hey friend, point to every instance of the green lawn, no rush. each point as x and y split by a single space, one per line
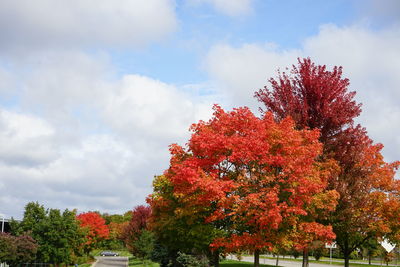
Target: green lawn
85 265
138 263
226 263
233 263
335 261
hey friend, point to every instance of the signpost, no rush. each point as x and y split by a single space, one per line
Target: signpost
330 246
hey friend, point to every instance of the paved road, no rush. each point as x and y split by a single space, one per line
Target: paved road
284 263
111 261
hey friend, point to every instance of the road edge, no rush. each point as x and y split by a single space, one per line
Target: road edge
94 264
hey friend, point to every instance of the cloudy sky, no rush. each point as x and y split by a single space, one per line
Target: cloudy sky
92 92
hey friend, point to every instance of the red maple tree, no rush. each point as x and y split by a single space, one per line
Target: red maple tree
138 223
313 96
258 174
317 98
95 228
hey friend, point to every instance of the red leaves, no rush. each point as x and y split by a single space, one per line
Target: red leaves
313 97
318 99
95 226
254 172
139 222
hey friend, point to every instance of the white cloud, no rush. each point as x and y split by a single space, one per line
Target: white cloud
239 72
25 140
229 7
122 23
85 138
369 59
150 108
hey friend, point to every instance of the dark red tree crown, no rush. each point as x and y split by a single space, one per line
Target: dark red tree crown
313 96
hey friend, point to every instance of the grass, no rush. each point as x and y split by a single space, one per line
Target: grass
85 265
233 263
138 263
335 261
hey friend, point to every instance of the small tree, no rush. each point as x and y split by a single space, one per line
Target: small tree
95 229
26 249
371 249
144 245
17 249
135 228
8 248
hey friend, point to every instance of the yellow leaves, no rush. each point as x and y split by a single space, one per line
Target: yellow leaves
326 200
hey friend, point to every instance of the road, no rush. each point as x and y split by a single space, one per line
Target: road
111 261
284 263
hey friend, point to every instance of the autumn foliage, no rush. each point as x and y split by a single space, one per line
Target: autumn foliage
317 98
138 223
95 227
253 176
313 97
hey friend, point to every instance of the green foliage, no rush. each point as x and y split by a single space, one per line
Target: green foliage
26 249
17 249
58 234
138 263
117 218
318 252
162 255
144 245
8 248
295 253
112 244
177 228
371 248
187 260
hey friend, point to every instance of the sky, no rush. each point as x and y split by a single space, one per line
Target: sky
93 92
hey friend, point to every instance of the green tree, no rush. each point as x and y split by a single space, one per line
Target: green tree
8 248
26 249
144 245
371 249
58 234
17 249
177 227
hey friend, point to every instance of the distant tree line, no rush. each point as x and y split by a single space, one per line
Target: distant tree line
55 237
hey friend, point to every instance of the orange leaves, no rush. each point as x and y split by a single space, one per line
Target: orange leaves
95 225
245 241
252 175
311 231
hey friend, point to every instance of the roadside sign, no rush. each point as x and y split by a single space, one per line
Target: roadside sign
386 245
331 245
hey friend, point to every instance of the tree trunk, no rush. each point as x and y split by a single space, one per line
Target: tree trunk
369 259
277 260
346 254
256 258
305 258
216 258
